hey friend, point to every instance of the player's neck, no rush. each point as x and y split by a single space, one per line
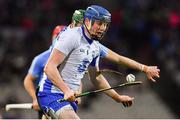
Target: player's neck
71 25
86 32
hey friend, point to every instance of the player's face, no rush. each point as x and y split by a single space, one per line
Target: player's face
79 24
98 29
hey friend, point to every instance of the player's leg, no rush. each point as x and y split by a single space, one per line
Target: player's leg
45 117
67 112
60 109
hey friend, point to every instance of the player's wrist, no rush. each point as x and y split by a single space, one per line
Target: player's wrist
66 90
63 87
34 98
144 68
115 97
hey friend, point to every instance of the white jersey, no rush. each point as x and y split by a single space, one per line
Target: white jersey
80 52
57 38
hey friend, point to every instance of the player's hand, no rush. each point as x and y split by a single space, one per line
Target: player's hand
125 100
69 96
151 72
78 100
35 105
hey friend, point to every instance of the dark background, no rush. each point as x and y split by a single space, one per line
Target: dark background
147 31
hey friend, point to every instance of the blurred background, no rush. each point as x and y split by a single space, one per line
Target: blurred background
147 31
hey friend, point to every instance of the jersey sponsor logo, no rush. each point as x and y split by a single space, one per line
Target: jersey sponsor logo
82 67
82 50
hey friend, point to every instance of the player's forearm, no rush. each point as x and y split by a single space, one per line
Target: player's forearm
126 61
102 83
29 86
132 63
53 74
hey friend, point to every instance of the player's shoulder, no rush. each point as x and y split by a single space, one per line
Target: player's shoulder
96 43
42 56
74 31
74 34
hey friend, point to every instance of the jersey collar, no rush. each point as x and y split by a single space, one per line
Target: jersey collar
90 41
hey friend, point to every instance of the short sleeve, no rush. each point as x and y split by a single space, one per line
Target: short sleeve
103 50
35 68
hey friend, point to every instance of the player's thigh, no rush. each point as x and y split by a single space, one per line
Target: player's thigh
67 112
49 101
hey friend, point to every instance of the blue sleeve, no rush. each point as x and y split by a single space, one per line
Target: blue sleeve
35 68
103 50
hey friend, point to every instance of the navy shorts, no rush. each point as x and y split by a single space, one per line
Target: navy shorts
49 101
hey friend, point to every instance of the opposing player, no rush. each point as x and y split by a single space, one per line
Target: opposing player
77 50
35 72
77 20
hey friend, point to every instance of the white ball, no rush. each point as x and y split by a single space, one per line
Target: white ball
130 78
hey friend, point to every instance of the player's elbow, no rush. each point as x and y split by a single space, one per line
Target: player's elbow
47 68
25 82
